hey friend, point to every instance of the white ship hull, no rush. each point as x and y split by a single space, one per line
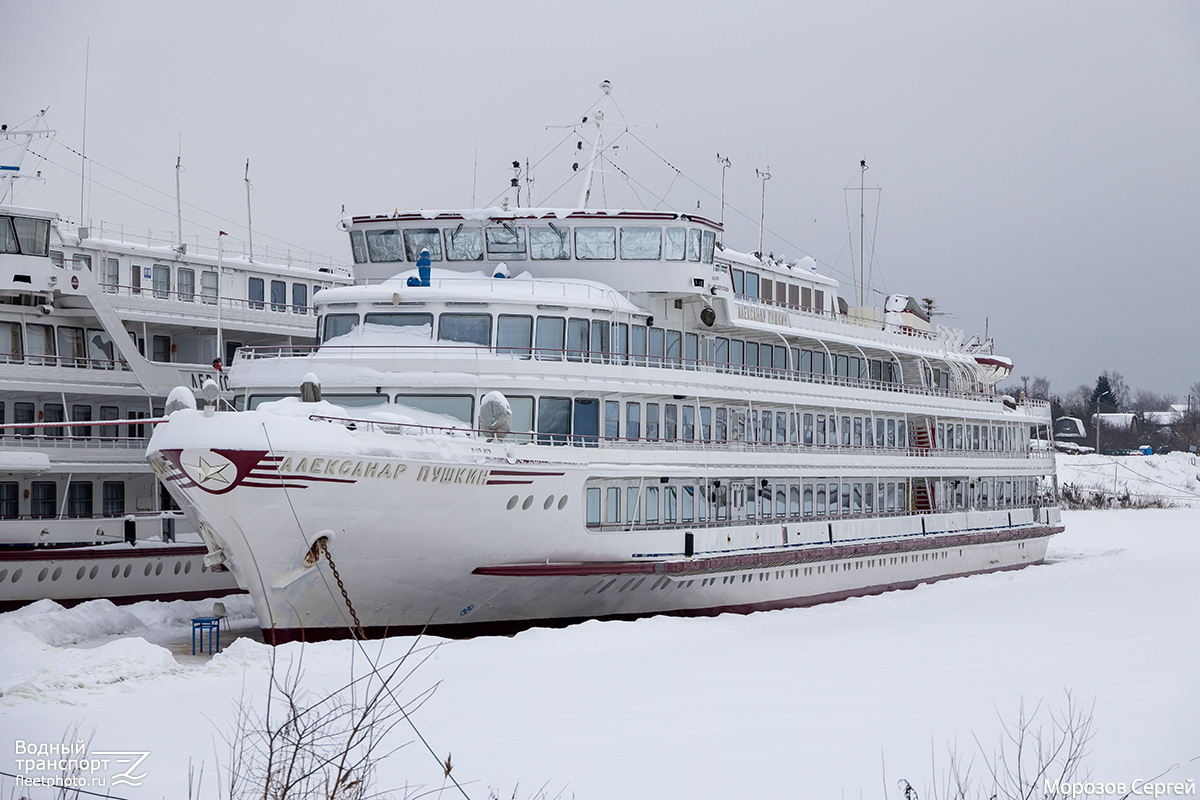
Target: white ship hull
456 536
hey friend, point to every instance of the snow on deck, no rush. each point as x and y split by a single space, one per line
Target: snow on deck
810 702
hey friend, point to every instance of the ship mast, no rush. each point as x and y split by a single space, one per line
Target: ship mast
9 173
597 145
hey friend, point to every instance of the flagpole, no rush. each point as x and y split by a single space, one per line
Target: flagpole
220 255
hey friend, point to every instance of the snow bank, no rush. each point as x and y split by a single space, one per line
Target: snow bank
1173 478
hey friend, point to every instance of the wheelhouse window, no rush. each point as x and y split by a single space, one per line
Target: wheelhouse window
465 328
506 242
676 239
111 275
464 244
641 244
549 244
418 239
596 244
710 242
693 250
358 247
385 245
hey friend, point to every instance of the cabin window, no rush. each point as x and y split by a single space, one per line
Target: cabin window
768 290
187 284
721 354
162 348
676 244
652 505
52 412
657 347
522 417
554 420
40 341
385 245
900 434
652 421
514 334
593 506
81 413
633 506
162 281
767 427
550 335
278 296
793 298
613 505
418 239
464 244
621 345
592 244
339 325
79 499
820 499
43 499
71 347
633 420
577 339
694 237
612 419
550 244
688 503
465 328
300 298
705 423
674 357
739 282
586 422
415 324
600 342
11 349
737 354
710 242
111 276
722 425
689 423
752 287
461 407
670 421
256 287
691 350
642 244
208 287
639 344
781 427
808 428
751 357
358 247
505 241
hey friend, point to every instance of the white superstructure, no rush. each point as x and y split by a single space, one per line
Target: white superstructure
638 421
97 324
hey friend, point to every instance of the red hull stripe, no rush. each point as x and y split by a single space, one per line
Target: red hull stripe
773 559
527 474
507 483
101 552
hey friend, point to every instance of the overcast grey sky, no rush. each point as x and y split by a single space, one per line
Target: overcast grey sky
1037 160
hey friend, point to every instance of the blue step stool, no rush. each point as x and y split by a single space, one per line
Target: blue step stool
213 626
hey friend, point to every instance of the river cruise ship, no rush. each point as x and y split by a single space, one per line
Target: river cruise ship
539 416
98 323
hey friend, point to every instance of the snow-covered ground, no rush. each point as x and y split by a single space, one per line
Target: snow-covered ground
840 700
1173 477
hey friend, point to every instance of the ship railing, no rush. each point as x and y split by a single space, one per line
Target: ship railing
53 360
42 441
663 442
200 299
101 517
846 319
397 355
233 250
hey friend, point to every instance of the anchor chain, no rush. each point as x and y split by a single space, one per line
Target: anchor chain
324 544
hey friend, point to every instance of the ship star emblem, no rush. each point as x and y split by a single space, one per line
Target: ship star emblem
210 472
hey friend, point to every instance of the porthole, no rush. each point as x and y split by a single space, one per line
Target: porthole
549 502
79 575
42 575
528 502
562 502
187 567
116 570
93 571
512 502
57 574
158 568
128 569
3 574
149 567
16 575
178 566
203 567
